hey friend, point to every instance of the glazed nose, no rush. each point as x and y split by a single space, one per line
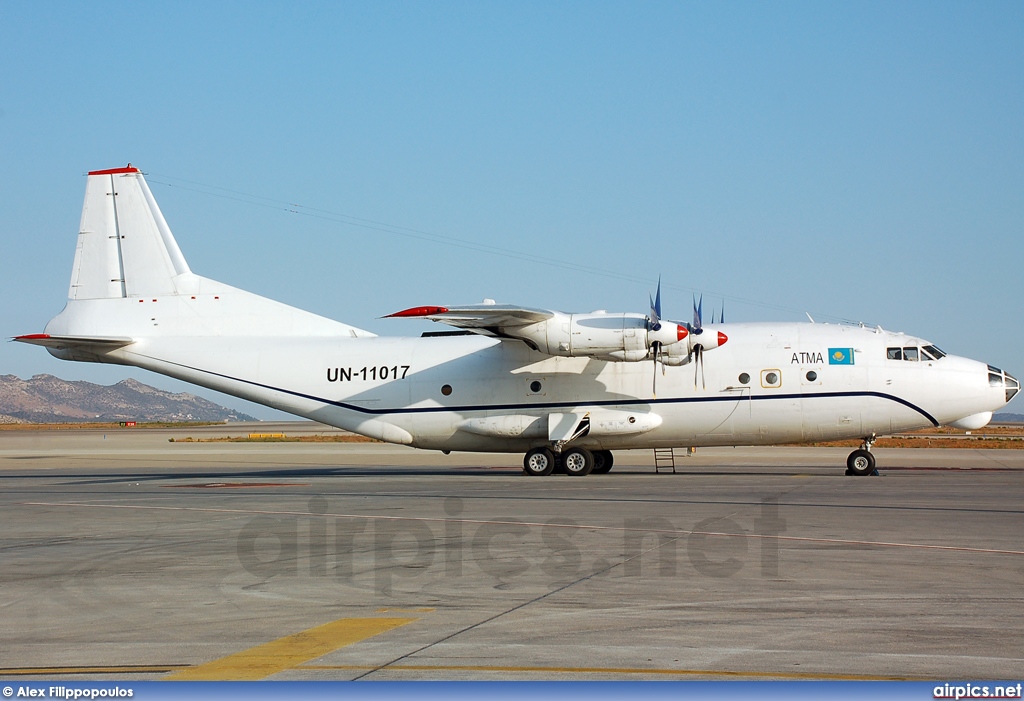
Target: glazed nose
998 378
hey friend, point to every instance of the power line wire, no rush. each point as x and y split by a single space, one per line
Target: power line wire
373 225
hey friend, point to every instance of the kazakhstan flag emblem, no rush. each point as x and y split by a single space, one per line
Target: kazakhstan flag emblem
840 356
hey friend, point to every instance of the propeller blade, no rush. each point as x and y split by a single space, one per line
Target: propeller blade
656 308
698 366
655 347
698 313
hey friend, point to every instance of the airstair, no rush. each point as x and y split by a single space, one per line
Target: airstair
665 458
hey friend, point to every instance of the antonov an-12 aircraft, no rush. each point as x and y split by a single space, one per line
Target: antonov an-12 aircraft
562 388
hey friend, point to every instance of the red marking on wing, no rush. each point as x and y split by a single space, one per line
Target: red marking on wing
418 311
32 337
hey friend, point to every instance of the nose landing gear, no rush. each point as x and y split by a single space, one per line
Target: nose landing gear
861 462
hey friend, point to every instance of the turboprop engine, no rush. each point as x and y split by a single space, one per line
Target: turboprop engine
616 337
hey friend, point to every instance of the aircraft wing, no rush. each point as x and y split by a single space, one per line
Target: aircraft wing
101 343
480 318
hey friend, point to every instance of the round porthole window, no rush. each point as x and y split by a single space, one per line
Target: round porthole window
772 378
812 376
535 386
744 378
446 390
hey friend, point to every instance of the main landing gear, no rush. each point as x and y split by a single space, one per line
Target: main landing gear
575 462
861 462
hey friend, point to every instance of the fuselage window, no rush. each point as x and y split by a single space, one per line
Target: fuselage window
744 378
812 376
910 353
894 353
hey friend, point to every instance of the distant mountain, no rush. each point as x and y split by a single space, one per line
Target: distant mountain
1008 418
49 399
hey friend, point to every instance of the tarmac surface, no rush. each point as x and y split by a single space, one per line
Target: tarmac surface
126 556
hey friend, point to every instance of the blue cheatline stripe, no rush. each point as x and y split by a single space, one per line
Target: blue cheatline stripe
560 405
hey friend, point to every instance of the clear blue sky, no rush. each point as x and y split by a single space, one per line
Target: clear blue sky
859 161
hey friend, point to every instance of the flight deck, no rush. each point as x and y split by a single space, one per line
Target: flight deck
129 555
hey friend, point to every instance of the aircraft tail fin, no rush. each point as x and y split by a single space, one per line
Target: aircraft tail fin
125 248
127 261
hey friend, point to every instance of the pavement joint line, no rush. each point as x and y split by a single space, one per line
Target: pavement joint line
679 532
735 674
290 651
517 607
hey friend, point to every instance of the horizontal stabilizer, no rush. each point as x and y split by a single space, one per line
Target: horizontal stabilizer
99 343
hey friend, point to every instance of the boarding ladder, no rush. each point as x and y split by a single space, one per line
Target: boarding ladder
665 458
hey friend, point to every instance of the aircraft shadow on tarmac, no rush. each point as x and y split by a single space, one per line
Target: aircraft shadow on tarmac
115 477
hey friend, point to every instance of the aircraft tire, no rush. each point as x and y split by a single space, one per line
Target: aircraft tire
539 462
578 462
861 463
603 461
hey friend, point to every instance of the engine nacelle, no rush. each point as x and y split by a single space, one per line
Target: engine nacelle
616 337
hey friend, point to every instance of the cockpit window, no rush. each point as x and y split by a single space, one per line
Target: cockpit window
914 354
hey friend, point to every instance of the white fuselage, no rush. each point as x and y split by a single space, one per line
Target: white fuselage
502 393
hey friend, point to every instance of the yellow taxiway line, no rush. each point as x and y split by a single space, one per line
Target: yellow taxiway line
290 651
90 669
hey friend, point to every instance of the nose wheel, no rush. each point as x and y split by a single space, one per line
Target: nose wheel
861 462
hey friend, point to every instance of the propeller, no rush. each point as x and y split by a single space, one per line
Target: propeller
698 348
662 334
656 346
